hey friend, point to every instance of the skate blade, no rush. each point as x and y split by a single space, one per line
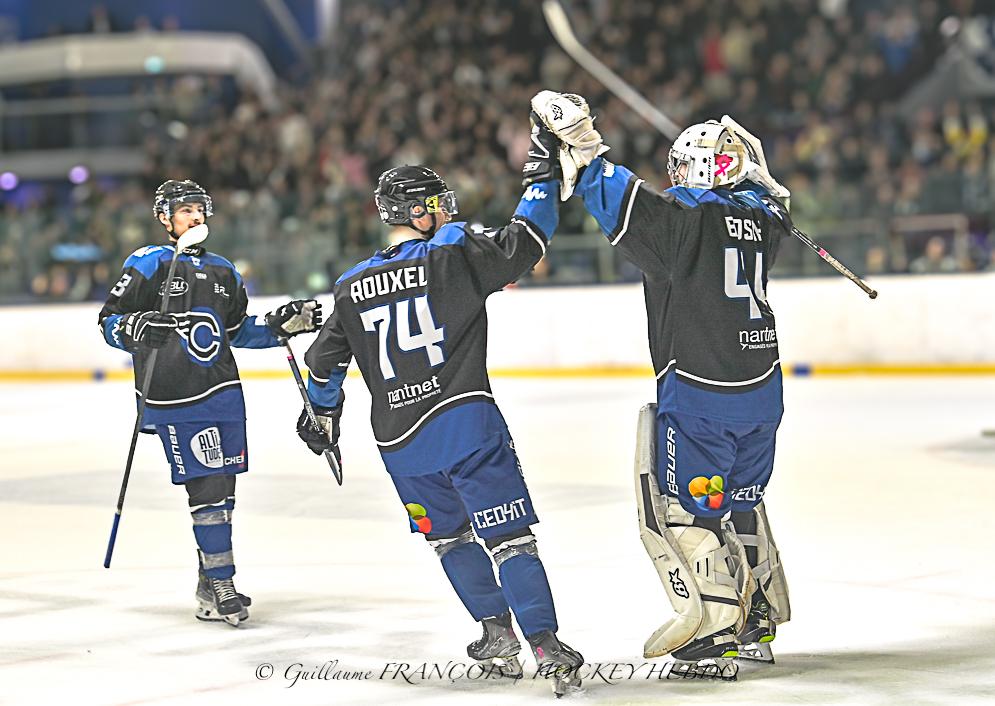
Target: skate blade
758 652
209 614
502 667
716 669
563 686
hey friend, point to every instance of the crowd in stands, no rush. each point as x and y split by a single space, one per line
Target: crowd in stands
447 83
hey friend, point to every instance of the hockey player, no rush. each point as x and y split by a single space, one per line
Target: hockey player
414 318
195 399
704 247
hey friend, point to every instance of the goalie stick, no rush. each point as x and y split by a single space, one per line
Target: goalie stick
559 25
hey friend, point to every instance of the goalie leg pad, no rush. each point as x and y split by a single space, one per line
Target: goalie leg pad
753 530
689 556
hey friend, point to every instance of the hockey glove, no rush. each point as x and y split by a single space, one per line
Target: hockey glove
543 161
569 118
324 436
298 316
148 328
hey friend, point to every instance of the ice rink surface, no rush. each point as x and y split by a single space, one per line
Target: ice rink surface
880 503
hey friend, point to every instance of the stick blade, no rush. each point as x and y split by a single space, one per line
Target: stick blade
193 236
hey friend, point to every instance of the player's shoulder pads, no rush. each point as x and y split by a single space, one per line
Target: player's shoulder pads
449 234
146 259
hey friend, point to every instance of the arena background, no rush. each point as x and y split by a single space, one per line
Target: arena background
877 114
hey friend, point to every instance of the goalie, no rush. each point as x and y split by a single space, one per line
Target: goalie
705 450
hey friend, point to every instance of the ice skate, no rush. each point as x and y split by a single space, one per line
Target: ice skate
498 648
557 661
758 633
217 599
710 657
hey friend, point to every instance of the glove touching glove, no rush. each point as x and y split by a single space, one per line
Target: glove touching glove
543 159
568 116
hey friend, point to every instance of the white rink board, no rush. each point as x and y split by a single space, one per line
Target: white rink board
941 319
880 503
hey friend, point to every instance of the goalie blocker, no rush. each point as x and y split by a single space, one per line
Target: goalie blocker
704 565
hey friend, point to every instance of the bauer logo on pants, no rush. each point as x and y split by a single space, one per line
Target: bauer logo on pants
206 447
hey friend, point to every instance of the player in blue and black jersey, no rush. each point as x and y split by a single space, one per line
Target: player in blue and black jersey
704 246
413 317
195 401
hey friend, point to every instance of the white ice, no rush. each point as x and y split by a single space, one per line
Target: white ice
880 502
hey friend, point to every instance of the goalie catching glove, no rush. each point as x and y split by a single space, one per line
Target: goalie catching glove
568 117
298 316
325 435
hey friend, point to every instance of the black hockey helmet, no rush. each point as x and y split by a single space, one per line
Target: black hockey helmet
173 193
408 192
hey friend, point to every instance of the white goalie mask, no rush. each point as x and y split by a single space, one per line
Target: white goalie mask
709 155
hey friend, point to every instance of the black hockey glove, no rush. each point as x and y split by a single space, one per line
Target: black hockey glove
148 328
324 436
298 316
544 155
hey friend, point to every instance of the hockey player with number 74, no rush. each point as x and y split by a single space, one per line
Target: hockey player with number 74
414 318
705 450
194 401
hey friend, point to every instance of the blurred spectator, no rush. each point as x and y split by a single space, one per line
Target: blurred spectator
934 259
817 80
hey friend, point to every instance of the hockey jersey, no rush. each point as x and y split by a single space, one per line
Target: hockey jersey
413 316
704 255
195 376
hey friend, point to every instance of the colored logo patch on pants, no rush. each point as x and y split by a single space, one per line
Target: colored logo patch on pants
418 517
708 493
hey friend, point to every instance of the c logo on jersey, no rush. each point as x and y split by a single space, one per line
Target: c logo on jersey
200 332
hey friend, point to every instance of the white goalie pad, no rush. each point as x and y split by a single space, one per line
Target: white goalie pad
745 582
769 573
693 566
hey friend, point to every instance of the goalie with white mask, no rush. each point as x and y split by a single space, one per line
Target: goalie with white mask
704 246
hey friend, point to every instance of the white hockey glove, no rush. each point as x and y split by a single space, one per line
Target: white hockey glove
298 316
567 115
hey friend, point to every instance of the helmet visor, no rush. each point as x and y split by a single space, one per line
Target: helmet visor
203 199
446 201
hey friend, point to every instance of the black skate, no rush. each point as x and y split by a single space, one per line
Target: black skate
758 633
498 648
217 599
557 661
710 657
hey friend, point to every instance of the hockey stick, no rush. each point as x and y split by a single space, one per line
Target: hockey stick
192 236
559 25
333 462
836 264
